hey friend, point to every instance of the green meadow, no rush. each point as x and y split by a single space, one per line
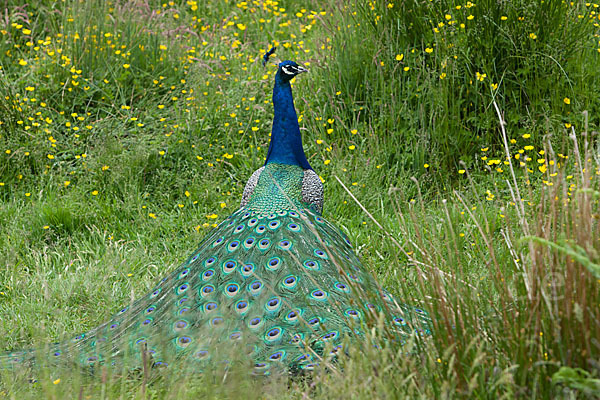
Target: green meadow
457 142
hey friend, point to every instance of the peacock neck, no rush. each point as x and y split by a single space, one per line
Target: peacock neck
286 141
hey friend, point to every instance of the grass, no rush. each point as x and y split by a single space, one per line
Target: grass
128 129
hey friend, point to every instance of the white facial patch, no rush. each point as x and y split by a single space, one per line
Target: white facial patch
292 70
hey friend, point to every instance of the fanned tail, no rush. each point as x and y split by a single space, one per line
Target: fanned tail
278 289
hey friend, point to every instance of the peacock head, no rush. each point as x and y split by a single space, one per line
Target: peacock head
288 70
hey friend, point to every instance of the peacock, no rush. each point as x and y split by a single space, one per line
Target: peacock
275 284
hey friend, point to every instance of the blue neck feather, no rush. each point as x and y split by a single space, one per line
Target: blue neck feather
286 141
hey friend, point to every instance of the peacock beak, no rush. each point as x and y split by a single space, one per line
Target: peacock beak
301 69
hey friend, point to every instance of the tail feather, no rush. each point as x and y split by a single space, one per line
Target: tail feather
277 289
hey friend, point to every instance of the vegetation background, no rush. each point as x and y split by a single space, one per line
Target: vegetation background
128 129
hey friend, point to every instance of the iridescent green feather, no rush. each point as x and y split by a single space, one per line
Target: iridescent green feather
274 275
